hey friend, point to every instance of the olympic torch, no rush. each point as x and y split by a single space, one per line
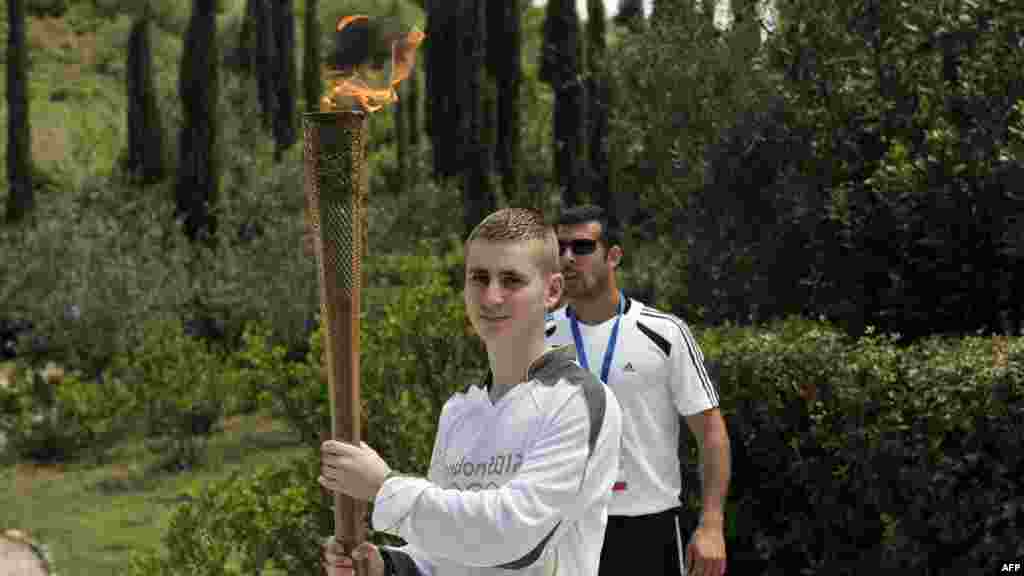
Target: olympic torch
336 193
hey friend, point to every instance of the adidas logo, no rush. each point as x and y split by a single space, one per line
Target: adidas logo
628 367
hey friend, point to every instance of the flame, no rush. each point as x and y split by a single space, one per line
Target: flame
344 86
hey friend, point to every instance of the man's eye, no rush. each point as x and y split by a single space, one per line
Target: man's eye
478 278
512 280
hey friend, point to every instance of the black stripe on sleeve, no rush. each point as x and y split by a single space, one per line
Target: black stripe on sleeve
400 562
696 358
532 555
658 339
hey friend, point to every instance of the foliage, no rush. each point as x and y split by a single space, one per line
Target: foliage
242 523
861 454
414 353
288 389
181 387
872 143
51 415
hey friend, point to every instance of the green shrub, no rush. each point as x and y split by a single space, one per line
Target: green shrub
860 454
181 387
414 352
51 415
275 517
288 390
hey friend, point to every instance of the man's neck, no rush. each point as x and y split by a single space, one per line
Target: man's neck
511 365
595 310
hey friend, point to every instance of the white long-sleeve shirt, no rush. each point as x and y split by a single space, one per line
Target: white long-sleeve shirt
517 487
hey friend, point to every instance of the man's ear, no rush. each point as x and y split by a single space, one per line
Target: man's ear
615 256
555 288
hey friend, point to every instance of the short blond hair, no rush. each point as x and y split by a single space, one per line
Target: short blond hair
521 225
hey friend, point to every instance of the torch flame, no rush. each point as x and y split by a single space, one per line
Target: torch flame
348 85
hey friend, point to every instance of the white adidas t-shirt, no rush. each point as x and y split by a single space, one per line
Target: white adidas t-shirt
657 373
521 486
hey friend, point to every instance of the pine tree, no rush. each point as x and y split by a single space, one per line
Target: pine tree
561 67
259 56
311 61
399 116
284 128
598 106
198 176
21 198
412 104
145 130
504 60
477 194
443 107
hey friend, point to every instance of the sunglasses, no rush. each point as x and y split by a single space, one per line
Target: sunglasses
580 246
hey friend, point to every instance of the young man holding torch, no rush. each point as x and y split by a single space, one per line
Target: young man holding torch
654 366
523 464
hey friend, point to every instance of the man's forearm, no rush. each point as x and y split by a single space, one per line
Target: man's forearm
716 470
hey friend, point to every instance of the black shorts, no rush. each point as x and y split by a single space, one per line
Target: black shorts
650 544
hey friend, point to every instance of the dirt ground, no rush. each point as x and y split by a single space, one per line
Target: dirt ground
17 558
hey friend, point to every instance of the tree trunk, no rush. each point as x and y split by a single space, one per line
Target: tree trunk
285 132
477 194
21 198
145 130
198 180
311 62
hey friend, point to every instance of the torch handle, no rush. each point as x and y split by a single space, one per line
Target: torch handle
336 195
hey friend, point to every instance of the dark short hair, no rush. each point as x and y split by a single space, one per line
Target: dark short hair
610 233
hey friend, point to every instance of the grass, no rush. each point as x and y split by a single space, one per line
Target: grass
93 517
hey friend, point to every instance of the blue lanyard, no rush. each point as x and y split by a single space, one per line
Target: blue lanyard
581 351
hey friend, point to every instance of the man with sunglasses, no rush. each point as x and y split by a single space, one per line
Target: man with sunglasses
653 364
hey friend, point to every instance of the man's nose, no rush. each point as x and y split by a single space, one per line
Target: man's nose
493 293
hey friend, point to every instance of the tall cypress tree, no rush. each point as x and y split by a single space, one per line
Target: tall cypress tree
598 106
412 105
561 67
145 130
198 177
477 194
311 62
443 41
504 60
285 132
399 116
21 198
259 55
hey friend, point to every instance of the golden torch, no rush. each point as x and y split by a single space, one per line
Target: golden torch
336 191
